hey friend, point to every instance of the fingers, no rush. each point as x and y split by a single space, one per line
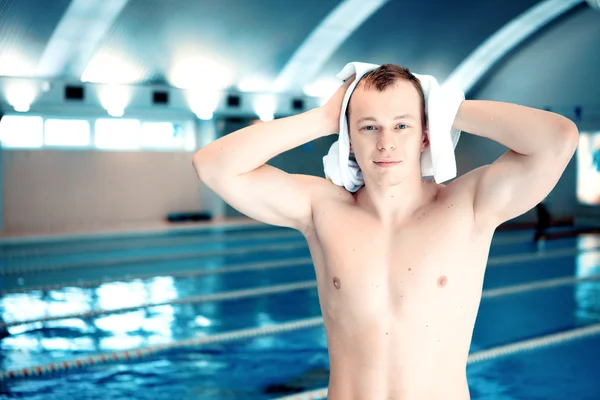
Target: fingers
349 81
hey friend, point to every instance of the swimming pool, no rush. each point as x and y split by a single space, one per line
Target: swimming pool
233 313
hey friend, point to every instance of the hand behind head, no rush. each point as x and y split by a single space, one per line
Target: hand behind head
333 106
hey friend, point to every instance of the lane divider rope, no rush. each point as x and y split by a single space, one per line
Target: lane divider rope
543 284
147 242
148 259
302 244
284 288
215 226
127 355
542 255
492 262
232 295
174 241
294 262
484 355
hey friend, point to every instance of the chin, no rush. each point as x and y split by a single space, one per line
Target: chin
389 181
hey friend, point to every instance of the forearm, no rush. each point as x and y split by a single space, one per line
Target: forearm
251 147
522 129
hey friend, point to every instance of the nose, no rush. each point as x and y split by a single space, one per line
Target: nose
386 141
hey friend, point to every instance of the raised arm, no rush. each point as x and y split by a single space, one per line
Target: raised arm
540 143
235 168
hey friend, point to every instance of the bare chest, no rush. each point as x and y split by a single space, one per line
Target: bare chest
432 263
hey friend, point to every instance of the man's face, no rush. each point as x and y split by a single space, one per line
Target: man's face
386 126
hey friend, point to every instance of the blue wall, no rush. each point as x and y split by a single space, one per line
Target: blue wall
557 68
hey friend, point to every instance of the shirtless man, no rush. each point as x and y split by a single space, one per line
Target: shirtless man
400 263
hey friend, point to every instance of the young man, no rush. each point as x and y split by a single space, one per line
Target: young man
400 263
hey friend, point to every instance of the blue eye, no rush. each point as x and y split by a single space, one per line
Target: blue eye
367 127
403 126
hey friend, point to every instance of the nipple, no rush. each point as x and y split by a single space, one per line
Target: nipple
442 281
337 283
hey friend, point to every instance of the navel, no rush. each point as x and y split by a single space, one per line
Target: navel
336 282
442 281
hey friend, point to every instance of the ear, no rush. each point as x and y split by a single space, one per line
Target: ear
425 141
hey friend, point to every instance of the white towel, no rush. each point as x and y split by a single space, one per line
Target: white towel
437 160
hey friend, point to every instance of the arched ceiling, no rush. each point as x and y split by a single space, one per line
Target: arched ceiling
244 44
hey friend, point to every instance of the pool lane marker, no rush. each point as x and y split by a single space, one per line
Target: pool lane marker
136 354
285 288
141 233
223 296
7 271
65 249
301 244
495 261
263 265
491 354
541 255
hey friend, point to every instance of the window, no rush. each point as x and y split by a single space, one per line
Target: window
167 135
162 135
21 131
65 132
588 168
117 133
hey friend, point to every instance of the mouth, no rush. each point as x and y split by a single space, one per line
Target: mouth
387 163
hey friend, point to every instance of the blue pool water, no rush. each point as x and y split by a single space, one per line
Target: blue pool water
66 277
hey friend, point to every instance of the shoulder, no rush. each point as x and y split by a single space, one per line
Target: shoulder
465 186
322 189
463 190
323 194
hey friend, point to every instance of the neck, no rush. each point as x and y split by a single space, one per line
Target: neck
393 204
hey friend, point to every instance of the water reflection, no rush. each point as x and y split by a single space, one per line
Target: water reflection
37 305
268 341
76 323
23 343
587 294
202 321
122 323
587 242
136 327
19 329
121 294
71 344
161 289
17 307
205 315
121 342
160 321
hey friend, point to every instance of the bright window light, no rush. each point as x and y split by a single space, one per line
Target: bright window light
162 135
265 106
200 72
65 132
112 69
117 133
190 140
588 168
21 95
21 132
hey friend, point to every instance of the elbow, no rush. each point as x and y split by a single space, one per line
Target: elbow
202 167
567 138
569 134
